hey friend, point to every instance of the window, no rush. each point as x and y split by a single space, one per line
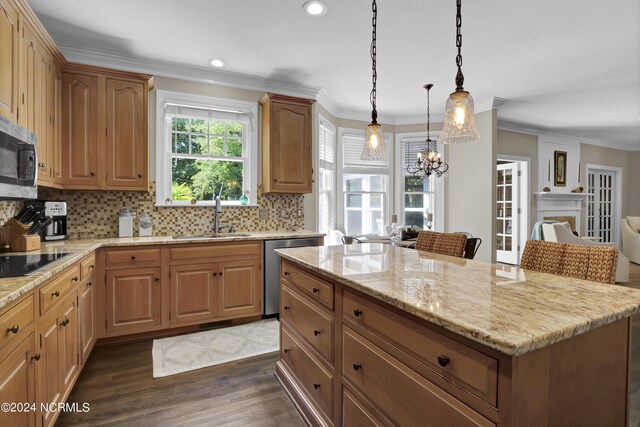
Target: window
365 188
206 147
421 201
326 176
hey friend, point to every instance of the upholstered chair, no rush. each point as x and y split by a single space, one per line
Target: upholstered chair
631 238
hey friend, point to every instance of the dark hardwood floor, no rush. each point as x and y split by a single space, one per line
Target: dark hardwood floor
117 383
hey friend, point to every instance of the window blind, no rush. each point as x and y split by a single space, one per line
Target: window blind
202 112
352 146
326 143
410 149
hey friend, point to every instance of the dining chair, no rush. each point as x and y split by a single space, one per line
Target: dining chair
595 263
452 244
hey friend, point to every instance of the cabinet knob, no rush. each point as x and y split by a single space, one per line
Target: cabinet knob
55 293
133 257
139 175
89 284
443 360
65 322
316 332
357 312
316 290
356 366
14 329
36 357
286 273
41 165
91 267
157 279
316 385
275 180
75 278
286 350
286 307
215 273
92 173
220 273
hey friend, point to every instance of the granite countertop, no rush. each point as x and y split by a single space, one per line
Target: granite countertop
12 288
506 308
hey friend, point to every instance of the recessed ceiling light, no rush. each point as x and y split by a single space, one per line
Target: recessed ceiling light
314 8
217 62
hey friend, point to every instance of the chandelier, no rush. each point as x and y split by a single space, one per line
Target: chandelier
428 160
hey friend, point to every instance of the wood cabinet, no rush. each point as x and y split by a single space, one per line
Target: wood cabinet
17 382
240 285
9 60
286 144
193 293
28 62
87 320
133 300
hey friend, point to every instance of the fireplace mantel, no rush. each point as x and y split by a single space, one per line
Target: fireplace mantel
562 196
562 204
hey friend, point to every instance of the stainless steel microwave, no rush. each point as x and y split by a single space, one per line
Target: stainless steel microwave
18 162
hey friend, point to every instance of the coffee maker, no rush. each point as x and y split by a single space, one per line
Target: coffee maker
57 230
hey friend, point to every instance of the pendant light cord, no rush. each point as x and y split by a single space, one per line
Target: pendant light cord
428 88
459 76
374 75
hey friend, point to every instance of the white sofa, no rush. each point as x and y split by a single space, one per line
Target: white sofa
631 238
560 232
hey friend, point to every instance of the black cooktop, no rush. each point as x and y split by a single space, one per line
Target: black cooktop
24 265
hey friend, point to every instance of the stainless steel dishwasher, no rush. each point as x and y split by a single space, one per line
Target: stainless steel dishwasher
272 270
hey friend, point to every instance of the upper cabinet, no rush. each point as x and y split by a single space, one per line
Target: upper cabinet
9 60
286 144
91 123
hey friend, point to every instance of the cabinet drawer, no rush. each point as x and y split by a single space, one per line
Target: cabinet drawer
15 321
308 321
468 368
221 250
87 266
316 288
405 396
131 258
355 414
58 288
311 375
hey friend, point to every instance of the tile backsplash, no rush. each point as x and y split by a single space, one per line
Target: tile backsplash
95 213
8 209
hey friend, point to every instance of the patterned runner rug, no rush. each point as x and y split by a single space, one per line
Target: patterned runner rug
184 353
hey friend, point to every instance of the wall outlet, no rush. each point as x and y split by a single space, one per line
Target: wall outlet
300 213
263 214
283 213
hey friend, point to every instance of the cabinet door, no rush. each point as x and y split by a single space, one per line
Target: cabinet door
42 113
291 148
80 131
194 295
9 60
126 143
133 300
17 383
240 287
68 344
57 126
49 367
27 116
87 318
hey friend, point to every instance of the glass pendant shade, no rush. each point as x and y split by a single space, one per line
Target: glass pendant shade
374 143
459 121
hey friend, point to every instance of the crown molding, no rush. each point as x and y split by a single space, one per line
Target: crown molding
494 104
188 72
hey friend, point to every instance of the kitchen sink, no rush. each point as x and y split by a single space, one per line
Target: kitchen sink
211 236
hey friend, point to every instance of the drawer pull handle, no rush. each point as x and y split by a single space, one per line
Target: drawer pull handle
356 366
286 350
91 267
55 293
316 385
443 360
75 278
65 322
89 284
316 332
316 290
286 273
14 329
357 312
286 307
36 357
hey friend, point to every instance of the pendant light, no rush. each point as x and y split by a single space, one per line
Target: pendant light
428 161
459 123
374 148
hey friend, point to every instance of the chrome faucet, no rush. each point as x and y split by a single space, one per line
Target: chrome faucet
216 212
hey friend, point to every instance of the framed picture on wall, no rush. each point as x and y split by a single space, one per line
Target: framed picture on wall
560 169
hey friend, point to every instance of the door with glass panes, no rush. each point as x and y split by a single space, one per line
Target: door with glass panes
602 218
507 237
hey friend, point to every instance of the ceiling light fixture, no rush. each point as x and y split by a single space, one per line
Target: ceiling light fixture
459 123
218 63
374 148
314 8
429 161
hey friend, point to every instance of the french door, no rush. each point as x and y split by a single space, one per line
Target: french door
507 232
602 215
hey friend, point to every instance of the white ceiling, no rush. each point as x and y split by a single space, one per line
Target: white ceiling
569 67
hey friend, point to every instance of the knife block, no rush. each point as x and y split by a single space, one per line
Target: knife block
18 238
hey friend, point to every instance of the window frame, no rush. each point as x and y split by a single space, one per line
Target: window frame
322 121
164 153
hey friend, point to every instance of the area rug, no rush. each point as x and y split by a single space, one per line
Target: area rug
184 353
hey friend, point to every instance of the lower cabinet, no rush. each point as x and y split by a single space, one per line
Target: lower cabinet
240 288
87 318
59 363
133 300
17 383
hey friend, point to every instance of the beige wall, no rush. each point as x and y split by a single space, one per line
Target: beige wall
633 193
470 187
523 145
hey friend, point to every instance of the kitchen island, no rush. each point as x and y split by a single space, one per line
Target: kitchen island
377 335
